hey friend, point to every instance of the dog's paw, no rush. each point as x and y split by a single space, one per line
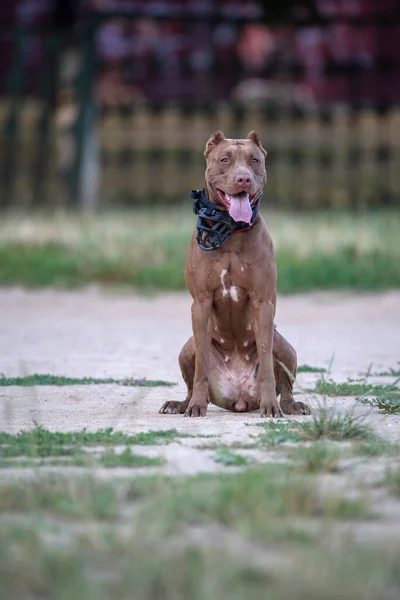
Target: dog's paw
173 407
196 410
296 408
302 408
271 410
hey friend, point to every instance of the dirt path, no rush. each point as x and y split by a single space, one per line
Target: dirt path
102 334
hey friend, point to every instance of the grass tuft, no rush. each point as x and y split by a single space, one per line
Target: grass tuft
330 424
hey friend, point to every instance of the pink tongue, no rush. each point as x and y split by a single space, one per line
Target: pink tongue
240 209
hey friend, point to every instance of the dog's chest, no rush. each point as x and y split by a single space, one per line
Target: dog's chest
231 286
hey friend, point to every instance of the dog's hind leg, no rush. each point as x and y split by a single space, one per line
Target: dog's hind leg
186 363
285 354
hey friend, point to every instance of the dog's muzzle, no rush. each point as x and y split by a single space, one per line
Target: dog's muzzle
215 226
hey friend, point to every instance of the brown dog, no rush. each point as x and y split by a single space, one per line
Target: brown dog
236 359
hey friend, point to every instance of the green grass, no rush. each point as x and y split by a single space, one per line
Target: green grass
277 433
247 501
319 457
326 423
328 250
310 369
128 459
135 567
350 388
114 567
77 537
377 447
40 442
251 502
83 497
393 480
109 459
45 379
229 458
391 372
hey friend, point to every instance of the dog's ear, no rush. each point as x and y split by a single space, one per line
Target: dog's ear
254 137
213 141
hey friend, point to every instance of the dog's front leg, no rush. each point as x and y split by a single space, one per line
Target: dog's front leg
263 322
201 318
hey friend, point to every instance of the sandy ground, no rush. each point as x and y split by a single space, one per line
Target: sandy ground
104 334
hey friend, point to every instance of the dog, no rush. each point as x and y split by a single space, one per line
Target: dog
236 358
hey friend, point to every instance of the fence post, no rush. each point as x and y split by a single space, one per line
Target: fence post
85 173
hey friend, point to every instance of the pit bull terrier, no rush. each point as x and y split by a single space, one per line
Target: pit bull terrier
236 358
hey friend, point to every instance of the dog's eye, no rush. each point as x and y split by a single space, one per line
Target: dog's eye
224 160
255 160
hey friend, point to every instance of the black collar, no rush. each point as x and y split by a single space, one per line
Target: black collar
215 226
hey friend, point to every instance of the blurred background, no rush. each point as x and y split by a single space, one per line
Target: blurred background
106 105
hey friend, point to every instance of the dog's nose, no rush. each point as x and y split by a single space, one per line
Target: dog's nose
243 178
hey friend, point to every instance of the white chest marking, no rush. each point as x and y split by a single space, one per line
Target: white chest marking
245 344
232 291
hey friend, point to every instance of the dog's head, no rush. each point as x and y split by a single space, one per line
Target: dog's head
235 173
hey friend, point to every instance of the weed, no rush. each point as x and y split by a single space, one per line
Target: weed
388 404
228 458
44 379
